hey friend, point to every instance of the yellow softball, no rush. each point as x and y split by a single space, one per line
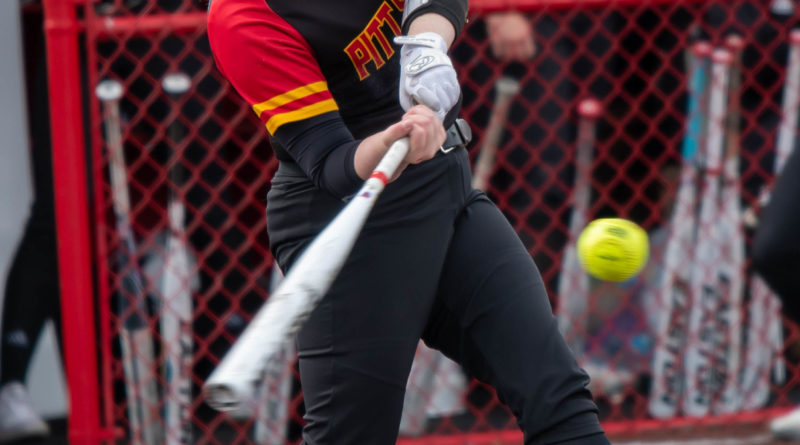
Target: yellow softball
613 249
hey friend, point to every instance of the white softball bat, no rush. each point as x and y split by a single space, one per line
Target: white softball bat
232 385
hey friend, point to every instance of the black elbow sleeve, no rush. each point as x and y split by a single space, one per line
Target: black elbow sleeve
337 174
324 149
453 10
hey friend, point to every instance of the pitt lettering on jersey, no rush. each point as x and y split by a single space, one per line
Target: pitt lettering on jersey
374 43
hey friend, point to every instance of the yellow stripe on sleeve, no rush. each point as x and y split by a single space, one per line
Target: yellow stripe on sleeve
289 96
312 110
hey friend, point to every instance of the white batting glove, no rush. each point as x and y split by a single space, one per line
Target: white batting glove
426 73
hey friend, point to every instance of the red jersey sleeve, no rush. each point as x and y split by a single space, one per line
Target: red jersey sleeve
268 62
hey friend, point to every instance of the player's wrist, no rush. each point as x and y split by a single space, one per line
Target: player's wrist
433 24
427 39
371 149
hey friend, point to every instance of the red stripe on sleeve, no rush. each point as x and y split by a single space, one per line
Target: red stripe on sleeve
260 53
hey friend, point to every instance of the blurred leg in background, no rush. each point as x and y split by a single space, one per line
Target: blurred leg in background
31 297
32 287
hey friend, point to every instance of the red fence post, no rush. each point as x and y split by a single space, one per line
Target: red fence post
72 221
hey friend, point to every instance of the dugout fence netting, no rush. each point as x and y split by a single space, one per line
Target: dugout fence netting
652 366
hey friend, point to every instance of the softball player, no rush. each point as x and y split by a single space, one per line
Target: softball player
436 260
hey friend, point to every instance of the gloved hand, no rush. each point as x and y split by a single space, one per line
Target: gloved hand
426 73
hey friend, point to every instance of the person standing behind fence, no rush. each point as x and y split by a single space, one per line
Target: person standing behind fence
32 290
510 36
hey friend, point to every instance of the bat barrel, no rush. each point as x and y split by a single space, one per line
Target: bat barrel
700 55
573 281
673 290
720 71
506 86
706 279
505 89
233 384
589 110
175 85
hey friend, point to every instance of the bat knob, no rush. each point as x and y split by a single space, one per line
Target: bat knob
176 83
734 42
589 108
108 90
221 397
794 37
702 48
750 218
507 86
782 7
722 55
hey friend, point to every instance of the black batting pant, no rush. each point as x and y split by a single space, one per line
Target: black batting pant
436 260
32 287
31 297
